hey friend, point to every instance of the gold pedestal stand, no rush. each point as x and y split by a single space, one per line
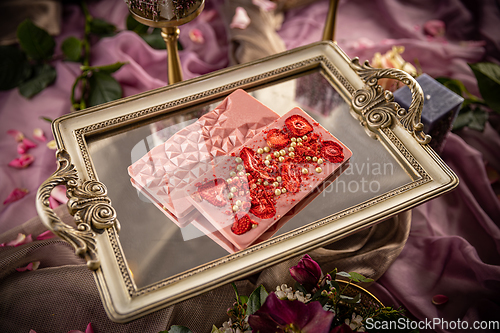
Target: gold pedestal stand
329 31
170 33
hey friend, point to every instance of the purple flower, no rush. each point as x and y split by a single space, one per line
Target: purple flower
307 272
281 316
344 328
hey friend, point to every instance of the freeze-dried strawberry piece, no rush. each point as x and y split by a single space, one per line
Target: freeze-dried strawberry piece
253 164
214 192
263 208
291 176
242 225
277 139
332 151
298 125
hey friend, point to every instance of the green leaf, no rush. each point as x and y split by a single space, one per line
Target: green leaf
214 329
344 274
135 26
101 27
43 76
103 88
454 85
256 300
351 300
155 40
356 277
473 117
106 68
36 42
488 81
178 329
235 291
300 288
72 48
244 299
14 67
47 119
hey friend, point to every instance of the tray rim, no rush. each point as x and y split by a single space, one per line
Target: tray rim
393 137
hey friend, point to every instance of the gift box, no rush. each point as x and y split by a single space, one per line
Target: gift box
440 109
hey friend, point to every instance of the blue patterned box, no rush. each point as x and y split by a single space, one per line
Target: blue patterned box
440 109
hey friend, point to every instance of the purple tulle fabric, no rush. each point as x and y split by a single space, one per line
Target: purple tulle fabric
454 245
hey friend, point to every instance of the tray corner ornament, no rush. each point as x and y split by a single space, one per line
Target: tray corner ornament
88 203
375 107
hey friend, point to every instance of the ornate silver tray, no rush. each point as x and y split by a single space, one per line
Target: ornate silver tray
143 262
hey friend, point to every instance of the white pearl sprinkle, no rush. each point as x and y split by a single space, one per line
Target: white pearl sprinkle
314 159
320 160
281 159
305 171
254 185
299 140
269 157
318 170
238 160
241 173
308 158
239 167
260 151
254 226
238 203
275 184
267 149
232 173
304 137
229 180
259 180
276 154
291 154
278 179
233 189
235 208
266 183
283 190
230 195
277 191
266 162
294 139
282 152
293 144
291 149
299 144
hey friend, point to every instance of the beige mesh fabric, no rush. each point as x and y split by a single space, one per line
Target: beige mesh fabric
62 295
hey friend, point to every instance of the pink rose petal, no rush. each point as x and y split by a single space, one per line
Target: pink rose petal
39 135
45 235
88 330
196 36
59 193
240 19
208 15
16 194
25 145
32 266
31 331
53 203
265 5
22 162
435 28
19 136
439 299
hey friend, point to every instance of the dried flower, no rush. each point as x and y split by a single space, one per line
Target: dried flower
25 145
265 5
22 162
21 239
52 144
281 316
32 266
435 28
240 19
39 135
196 36
16 194
19 136
392 59
307 272
355 323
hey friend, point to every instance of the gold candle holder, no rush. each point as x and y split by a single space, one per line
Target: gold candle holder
167 15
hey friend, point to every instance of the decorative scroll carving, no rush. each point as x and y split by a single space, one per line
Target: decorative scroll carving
375 107
88 203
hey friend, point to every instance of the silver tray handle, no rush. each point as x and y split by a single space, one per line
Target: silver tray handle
375 107
88 203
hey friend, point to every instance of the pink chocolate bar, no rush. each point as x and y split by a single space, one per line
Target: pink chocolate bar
164 172
247 193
